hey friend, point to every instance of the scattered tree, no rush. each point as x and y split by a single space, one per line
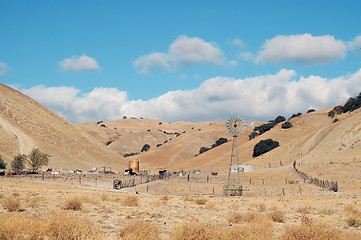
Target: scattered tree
36 159
253 135
203 149
295 115
287 124
280 119
145 148
264 146
310 110
19 162
2 163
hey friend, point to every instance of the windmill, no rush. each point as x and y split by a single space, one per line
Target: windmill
235 126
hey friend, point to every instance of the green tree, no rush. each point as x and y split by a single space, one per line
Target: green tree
37 159
287 124
2 163
264 146
19 162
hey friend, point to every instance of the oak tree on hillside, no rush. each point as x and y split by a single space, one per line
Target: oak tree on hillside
37 159
2 163
19 162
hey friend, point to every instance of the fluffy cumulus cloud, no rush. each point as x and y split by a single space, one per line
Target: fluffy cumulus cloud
355 45
79 63
305 49
182 52
256 98
3 68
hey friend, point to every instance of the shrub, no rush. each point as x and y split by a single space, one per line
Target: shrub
145 148
192 230
310 110
264 146
11 204
139 230
335 120
203 149
130 154
287 125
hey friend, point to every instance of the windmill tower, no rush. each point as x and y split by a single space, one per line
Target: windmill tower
235 126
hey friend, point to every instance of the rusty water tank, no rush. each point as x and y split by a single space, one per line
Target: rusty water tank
134 164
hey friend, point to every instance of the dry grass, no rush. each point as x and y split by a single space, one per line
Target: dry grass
353 218
277 216
11 204
308 229
18 226
256 230
200 201
131 201
32 202
247 217
304 210
70 226
73 203
139 230
60 226
165 198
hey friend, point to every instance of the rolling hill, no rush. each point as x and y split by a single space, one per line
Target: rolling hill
26 124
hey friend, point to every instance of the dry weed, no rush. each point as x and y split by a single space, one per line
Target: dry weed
105 197
304 210
11 204
353 218
70 226
73 203
246 217
308 229
260 207
131 201
200 201
277 216
164 198
188 199
139 230
192 230
18 226
32 202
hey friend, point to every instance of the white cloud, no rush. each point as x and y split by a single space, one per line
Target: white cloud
355 45
238 42
246 56
3 68
79 63
258 98
305 49
182 52
233 63
151 63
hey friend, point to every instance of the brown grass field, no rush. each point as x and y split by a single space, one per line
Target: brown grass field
32 208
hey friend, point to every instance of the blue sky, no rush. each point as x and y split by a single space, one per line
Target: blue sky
184 60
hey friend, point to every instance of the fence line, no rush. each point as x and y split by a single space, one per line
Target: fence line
329 185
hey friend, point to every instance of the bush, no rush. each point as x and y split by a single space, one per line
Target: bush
145 148
203 149
2 163
264 146
335 120
310 110
129 154
287 124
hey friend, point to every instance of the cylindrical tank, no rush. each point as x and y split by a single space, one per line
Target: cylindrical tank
134 165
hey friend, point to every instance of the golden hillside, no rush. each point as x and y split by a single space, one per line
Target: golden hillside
25 124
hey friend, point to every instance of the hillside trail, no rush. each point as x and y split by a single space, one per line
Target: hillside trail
26 144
